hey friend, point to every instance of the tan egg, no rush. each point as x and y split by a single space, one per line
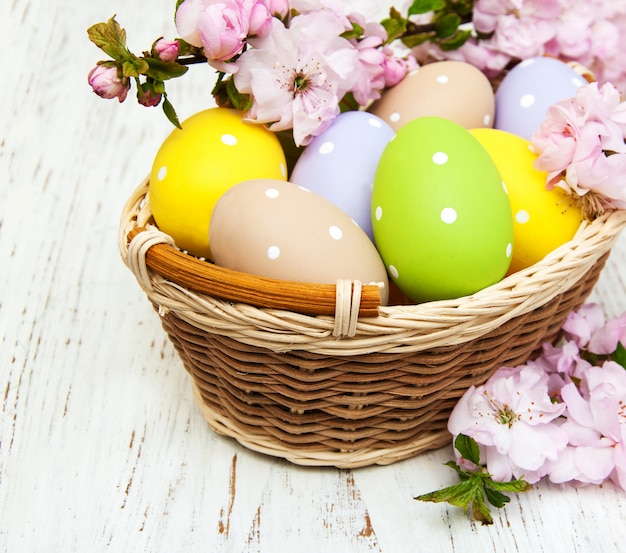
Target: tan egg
450 89
277 229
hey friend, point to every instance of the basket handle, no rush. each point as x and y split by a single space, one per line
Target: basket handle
227 284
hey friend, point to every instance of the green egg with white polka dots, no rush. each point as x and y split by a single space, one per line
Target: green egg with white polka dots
441 215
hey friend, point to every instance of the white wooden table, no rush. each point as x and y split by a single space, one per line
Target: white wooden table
101 445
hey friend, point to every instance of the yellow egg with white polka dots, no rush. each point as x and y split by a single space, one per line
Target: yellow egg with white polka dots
543 219
195 165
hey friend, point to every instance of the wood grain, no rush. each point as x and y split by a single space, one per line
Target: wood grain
101 446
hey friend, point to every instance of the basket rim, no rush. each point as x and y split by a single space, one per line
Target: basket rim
442 322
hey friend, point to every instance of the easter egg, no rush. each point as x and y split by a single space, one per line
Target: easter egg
441 216
340 163
454 90
194 166
529 89
542 219
280 230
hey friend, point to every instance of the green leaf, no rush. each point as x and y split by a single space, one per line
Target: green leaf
447 24
461 473
496 498
242 102
160 70
455 42
460 495
619 355
514 486
395 28
395 14
170 113
484 36
425 6
348 103
110 38
468 448
464 8
186 49
416 39
158 87
475 485
481 512
465 495
356 32
134 67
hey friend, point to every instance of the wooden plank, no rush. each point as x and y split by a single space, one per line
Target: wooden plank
101 445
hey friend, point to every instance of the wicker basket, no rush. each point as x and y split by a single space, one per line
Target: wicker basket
319 374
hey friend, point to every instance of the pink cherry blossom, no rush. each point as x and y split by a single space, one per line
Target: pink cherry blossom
278 8
339 9
596 426
106 83
511 416
581 147
222 27
573 32
603 406
480 54
577 30
259 16
581 325
559 415
522 38
223 31
618 476
564 360
589 329
187 17
590 33
166 50
369 71
585 464
297 75
606 58
396 68
519 28
487 13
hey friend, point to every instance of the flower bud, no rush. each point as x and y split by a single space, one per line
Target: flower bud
186 19
395 68
106 83
259 17
278 7
166 50
147 96
223 30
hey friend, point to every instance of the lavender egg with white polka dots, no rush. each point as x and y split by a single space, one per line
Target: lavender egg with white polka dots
340 163
277 229
441 215
529 89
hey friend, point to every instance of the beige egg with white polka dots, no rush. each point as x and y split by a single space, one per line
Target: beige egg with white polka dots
450 89
280 230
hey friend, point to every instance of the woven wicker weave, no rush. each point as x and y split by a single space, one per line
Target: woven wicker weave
343 389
